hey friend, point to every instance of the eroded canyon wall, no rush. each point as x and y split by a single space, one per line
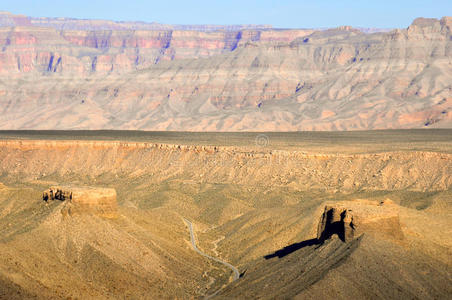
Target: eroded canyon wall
41 160
36 49
251 79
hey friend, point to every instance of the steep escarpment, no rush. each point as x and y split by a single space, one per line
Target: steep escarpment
380 171
43 50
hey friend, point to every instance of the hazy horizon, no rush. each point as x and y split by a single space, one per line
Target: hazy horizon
284 14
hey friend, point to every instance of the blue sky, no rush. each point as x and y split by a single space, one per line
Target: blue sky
282 13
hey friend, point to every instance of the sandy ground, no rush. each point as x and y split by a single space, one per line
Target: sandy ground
247 202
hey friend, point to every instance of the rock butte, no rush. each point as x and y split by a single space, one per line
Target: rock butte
85 200
350 219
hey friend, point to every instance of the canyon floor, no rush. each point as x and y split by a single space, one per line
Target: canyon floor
318 215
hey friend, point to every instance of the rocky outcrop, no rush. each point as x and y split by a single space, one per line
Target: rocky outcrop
84 200
55 193
336 221
350 219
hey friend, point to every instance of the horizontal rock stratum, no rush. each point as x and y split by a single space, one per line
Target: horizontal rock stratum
236 79
350 219
398 170
84 200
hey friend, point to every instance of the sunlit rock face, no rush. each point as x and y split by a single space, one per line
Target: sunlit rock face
83 47
84 200
350 219
235 165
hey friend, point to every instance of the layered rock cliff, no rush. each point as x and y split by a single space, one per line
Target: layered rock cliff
37 160
84 200
243 80
47 50
82 47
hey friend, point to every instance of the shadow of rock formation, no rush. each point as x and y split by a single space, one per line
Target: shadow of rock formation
292 248
336 220
349 220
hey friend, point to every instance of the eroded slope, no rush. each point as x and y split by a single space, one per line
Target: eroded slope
246 203
337 79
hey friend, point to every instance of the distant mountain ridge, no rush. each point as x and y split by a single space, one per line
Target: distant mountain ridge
245 80
9 19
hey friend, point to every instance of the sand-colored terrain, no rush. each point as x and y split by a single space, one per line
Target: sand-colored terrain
267 210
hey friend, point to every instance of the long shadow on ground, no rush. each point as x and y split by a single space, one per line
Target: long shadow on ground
292 248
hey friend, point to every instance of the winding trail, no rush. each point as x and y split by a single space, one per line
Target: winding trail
236 274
